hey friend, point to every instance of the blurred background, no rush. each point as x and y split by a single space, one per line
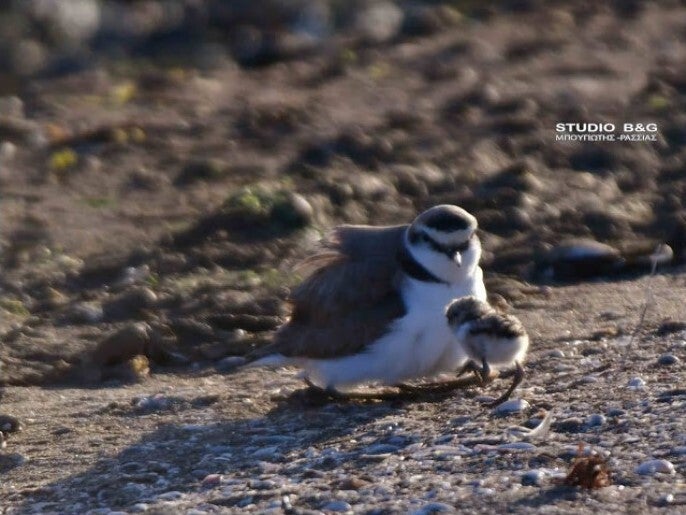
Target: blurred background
163 163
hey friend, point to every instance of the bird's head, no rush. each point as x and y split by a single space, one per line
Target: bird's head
443 239
466 309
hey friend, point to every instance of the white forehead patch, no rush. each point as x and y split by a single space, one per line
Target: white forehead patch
447 238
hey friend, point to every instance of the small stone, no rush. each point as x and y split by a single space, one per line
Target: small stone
511 406
516 447
130 303
7 151
230 363
616 412
9 424
337 506
381 448
267 453
157 402
125 344
569 425
434 507
665 500
667 360
170 496
379 21
555 353
532 478
581 258
636 383
11 106
212 480
652 467
86 313
595 420
139 507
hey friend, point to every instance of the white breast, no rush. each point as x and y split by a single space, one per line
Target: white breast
418 345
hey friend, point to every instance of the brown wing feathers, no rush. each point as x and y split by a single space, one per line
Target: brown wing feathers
348 300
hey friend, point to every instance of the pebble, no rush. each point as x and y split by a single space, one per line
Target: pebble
667 360
173 495
665 500
337 506
516 447
381 448
7 151
555 353
123 344
130 303
652 467
511 406
595 420
86 313
229 363
616 412
267 453
580 258
9 424
11 106
379 21
570 425
532 478
212 480
636 383
155 402
434 507
139 507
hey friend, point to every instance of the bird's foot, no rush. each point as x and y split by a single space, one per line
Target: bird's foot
518 375
331 394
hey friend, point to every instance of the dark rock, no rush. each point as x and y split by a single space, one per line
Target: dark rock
667 360
580 258
200 170
122 345
569 425
670 326
9 424
130 304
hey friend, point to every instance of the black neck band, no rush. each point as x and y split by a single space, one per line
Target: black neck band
414 269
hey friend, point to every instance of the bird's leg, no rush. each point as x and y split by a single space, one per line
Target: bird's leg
315 390
331 393
446 386
518 377
470 366
485 372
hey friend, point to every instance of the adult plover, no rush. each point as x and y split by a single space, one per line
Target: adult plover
490 339
372 309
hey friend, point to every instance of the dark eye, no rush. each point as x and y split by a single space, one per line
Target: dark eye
461 247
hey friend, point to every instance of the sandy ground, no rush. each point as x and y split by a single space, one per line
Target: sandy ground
151 219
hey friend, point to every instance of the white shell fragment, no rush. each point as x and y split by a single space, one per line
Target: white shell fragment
540 432
651 467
